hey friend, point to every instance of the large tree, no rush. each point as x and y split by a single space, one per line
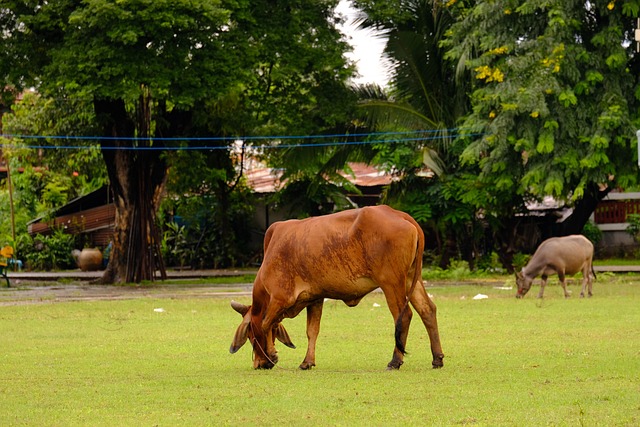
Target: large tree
555 105
152 68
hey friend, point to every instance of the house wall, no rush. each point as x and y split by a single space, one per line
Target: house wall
96 225
611 218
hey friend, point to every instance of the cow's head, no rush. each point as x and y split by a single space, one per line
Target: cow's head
523 283
265 355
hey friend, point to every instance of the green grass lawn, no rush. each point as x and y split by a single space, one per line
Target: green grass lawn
508 362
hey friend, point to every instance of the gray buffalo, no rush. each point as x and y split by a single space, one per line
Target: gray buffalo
562 256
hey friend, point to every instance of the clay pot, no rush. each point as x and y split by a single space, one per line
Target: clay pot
90 259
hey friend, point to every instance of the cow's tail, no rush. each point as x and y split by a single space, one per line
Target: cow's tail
417 277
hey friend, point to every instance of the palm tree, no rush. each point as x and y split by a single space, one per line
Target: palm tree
426 93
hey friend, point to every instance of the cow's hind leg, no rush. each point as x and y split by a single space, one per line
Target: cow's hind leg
397 304
427 311
314 314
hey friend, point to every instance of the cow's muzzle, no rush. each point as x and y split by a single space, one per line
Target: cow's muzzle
267 363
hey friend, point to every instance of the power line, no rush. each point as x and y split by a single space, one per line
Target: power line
435 135
231 138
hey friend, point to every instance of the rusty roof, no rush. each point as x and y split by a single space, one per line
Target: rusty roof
263 179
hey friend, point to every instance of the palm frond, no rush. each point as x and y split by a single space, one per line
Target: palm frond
380 114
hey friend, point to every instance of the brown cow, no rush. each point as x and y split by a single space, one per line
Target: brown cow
341 256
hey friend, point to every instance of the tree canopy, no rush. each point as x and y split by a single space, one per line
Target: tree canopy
164 70
555 97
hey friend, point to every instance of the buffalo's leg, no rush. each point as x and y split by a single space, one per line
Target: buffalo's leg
563 282
314 314
542 285
427 311
586 282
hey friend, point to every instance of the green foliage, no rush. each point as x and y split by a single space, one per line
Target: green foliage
566 63
50 252
214 213
633 229
46 179
175 246
520 260
80 170
593 232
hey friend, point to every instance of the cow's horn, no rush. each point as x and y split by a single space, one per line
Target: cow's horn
240 308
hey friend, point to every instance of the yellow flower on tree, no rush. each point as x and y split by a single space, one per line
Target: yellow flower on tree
498 51
488 74
535 114
611 5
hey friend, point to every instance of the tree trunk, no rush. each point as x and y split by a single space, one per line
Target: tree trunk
137 177
582 211
504 236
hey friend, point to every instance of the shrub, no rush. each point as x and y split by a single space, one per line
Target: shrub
50 252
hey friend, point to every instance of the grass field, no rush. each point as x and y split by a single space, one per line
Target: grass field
573 362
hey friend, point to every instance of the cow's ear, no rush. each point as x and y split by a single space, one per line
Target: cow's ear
519 274
241 336
283 336
240 308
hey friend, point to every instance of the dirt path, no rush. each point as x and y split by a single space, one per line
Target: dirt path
43 288
52 292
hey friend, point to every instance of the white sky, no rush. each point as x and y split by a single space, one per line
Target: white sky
367 48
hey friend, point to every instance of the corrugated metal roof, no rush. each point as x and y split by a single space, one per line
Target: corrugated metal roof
263 179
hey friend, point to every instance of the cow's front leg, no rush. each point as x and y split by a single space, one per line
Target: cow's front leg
266 355
314 314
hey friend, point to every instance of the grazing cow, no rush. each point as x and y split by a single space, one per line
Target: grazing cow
341 256
561 256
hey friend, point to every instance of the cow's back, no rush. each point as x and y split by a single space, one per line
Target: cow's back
342 253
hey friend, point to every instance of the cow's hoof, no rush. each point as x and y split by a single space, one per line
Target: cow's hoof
305 366
394 365
438 362
267 365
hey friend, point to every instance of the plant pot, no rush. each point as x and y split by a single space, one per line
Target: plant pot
90 259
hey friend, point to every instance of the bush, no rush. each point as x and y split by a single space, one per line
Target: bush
593 233
51 252
634 226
